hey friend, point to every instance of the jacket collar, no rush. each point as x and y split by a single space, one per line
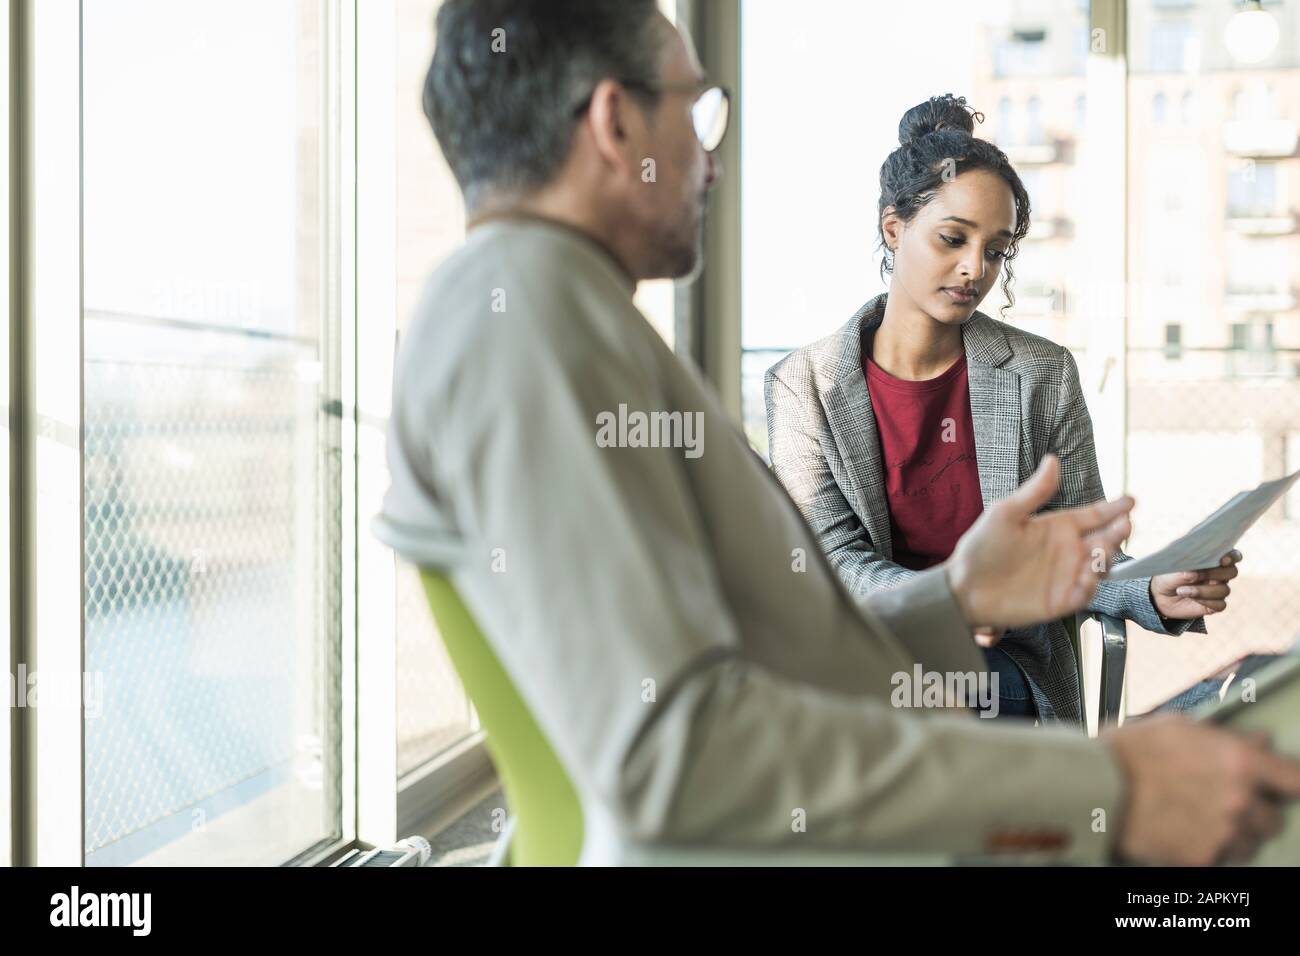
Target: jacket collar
995 415
982 339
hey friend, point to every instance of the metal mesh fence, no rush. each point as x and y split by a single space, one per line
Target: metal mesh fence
211 584
1203 426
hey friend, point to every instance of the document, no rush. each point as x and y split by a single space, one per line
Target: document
1209 541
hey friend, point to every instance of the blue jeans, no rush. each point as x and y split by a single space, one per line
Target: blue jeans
1014 698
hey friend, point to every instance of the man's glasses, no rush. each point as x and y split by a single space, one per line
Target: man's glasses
710 112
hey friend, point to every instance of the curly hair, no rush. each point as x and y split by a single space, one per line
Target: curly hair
937 137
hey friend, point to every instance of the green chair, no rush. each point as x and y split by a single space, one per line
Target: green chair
547 825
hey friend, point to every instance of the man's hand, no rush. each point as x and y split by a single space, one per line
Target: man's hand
1014 567
1198 795
1183 595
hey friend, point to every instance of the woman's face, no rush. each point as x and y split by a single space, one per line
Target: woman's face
950 255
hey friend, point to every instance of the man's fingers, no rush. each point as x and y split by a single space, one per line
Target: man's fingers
1265 818
1275 773
1099 514
1105 541
1085 584
1038 490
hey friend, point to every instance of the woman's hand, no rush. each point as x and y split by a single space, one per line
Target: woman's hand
1183 595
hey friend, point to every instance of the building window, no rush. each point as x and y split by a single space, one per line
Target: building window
1169 43
1005 135
1252 190
1173 341
1034 134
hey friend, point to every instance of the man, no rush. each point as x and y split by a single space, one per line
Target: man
664 610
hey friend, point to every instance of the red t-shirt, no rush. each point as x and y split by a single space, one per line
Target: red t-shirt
927 441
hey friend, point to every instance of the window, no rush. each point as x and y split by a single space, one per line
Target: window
1173 341
1171 42
1252 189
1034 135
433 712
1005 135
212 481
1021 54
1233 388
435 723
794 293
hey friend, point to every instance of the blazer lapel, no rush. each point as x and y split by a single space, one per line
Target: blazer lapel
994 407
853 426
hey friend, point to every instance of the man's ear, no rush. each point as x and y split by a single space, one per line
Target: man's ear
607 118
892 226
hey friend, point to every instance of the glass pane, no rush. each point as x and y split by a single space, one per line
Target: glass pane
1021 65
432 709
211 476
433 712
1213 249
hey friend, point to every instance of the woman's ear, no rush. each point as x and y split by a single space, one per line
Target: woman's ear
892 227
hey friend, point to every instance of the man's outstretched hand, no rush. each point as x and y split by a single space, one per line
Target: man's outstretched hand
1014 567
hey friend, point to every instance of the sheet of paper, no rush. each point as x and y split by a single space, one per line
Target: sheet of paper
1209 541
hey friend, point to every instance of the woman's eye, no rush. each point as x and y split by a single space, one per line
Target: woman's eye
951 240
998 253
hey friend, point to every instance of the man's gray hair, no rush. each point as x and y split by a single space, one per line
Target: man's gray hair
509 76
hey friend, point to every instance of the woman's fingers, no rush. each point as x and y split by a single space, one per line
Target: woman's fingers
1213 574
1199 591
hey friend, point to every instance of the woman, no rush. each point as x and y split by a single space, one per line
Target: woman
895 432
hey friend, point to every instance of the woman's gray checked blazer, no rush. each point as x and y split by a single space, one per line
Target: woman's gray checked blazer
1025 401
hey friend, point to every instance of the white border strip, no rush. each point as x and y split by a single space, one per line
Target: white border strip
52 296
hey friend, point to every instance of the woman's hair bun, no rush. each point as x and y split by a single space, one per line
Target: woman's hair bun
937 113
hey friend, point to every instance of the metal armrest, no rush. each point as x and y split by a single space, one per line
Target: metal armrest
1114 652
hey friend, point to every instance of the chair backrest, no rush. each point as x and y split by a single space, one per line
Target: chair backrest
548 815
